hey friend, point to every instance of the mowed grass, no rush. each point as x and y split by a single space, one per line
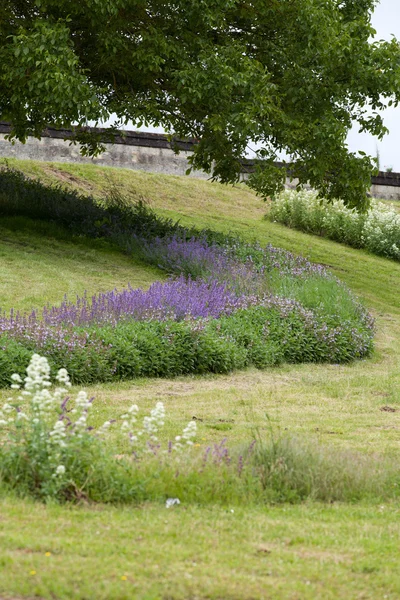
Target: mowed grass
296 552
307 551
40 264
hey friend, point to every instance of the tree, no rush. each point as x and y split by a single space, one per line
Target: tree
289 75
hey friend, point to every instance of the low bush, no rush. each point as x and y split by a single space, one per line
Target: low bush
273 331
377 230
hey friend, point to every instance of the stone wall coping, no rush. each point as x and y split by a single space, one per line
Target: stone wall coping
161 140
128 138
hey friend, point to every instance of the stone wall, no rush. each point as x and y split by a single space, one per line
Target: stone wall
135 150
386 186
145 152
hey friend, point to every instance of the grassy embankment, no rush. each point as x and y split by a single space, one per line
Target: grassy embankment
308 551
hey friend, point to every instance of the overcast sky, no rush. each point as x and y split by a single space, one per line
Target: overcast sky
386 21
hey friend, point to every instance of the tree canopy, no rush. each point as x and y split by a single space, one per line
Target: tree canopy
289 75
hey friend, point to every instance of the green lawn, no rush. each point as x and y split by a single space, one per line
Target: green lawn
37 267
149 552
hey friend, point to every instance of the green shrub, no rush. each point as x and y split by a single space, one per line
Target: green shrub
260 336
14 356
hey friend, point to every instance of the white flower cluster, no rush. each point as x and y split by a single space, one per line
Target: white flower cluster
54 425
129 419
82 405
378 230
188 434
7 414
36 389
154 422
146 437
40 404
381 233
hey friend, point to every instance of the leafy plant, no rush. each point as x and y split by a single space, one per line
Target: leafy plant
49 450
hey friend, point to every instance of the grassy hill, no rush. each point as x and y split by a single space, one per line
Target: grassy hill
228 209
232 552
40 264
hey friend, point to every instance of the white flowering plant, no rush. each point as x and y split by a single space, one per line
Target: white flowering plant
377 230
48 449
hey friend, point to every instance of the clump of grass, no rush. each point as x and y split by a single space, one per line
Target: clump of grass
285 469
291 469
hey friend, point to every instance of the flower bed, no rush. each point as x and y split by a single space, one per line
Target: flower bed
235 318
227 304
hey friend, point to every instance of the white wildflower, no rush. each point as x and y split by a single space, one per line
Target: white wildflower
189 432
38 374
104 428
129 419
58 434
187 436
63 378
80 426
82 402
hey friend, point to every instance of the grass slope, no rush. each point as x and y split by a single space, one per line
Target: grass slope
310 551
229 209
39 266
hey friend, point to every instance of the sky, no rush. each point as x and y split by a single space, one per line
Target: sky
386 21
